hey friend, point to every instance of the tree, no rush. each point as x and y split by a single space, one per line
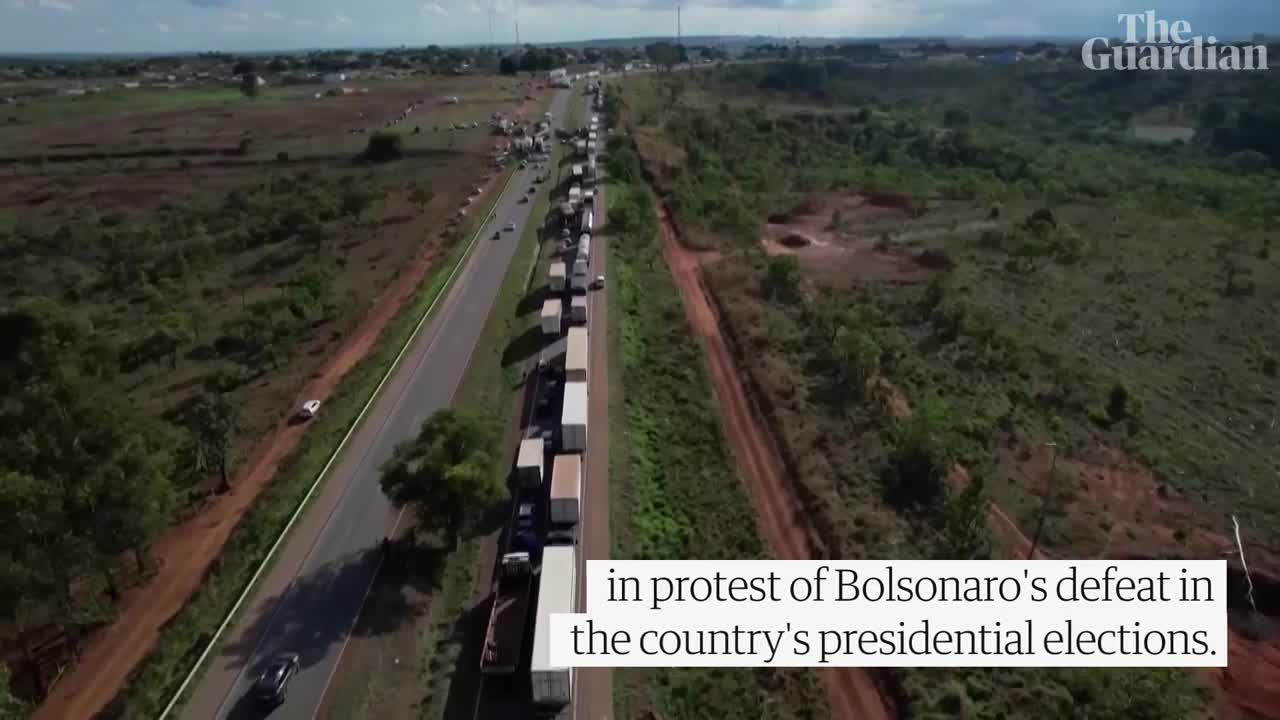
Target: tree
921 457
447 472
962 525
859 357
421 197
249 85
663 54
213 420
244 67
781 278
956 118
384 147
508 66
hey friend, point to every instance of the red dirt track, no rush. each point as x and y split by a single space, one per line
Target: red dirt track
852 692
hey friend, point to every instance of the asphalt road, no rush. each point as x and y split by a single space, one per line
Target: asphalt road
308 601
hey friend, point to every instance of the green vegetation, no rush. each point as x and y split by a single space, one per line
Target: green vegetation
676 496
446 474
1013 280
384 147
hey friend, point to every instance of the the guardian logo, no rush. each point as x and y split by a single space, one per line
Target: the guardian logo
1168 46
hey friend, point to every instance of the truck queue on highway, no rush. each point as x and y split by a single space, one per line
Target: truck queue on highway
539 563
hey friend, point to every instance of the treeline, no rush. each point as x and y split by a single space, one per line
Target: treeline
743 163
1233 112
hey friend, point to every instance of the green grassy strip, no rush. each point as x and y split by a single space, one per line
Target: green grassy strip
675 494
155 681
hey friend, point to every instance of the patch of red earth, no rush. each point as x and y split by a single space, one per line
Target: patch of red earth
853 693
185 554
1151 520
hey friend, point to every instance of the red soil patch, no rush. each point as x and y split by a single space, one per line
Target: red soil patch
184 555
853 693
1151 520
806 232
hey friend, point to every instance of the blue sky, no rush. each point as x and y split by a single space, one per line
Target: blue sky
193 25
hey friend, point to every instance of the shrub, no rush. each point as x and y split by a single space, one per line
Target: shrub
1118 403
384 147
245 145
282 157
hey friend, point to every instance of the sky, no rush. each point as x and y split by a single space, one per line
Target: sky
35 26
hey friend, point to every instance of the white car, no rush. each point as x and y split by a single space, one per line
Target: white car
598 283
511 227
309 409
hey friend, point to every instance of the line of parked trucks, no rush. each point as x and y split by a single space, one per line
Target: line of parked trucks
551 536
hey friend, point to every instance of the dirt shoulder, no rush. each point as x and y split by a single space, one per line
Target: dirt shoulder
852 692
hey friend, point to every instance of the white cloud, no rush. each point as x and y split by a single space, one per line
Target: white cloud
504 7
304 22
102 31
19 4
163 28
341 19
473 7
434 8
61 5
242 17
273 15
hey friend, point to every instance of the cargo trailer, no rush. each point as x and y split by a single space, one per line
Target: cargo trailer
557 593
580 280
551 317
584 250
566 490
529 463
504 636
556 276
573 418
576 353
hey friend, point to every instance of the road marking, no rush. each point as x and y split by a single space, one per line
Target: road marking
444 291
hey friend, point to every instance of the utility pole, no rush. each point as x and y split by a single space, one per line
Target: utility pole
1048 497
679 30
517 33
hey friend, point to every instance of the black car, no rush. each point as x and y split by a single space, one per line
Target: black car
273 684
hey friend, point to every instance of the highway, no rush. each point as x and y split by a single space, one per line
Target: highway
308 601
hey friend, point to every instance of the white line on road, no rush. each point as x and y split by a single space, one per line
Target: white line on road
444 291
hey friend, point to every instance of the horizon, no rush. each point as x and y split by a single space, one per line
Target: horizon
98 27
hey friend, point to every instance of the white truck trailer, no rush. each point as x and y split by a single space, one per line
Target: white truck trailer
529 463
573 418
578 310
584 248
557 276
579 280
551 317
566 490
576 353
557 593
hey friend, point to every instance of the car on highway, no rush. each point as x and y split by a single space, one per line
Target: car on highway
511 227
524 516
309 409
272 686
598 283
523 199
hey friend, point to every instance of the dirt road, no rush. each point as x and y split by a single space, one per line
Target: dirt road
852 692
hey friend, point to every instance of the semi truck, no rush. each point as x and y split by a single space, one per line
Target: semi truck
578 281
529 463
566 492
504 637
584 245
557 593
573 417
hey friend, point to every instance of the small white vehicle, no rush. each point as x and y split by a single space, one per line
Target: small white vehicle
598 283
511 227
309 409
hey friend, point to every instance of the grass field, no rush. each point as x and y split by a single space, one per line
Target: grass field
674 494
